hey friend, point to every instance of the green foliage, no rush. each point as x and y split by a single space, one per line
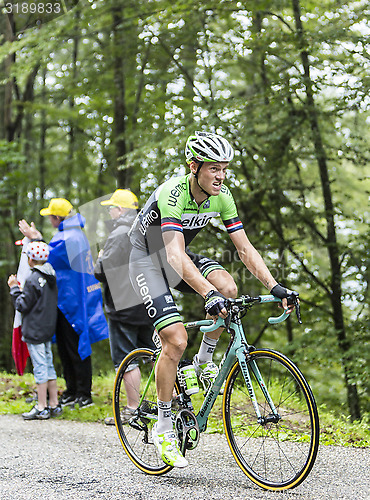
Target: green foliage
105 96
339 431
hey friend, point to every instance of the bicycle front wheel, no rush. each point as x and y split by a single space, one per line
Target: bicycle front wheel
276 451
134 387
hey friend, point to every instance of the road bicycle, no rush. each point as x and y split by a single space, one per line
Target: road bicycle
268 410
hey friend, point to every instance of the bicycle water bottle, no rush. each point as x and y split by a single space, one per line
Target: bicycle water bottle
187 377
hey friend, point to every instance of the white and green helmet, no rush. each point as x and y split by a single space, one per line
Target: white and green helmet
208 147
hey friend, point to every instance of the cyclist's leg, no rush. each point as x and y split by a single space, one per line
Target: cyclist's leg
225 284
151 286
210 269
215 274
174 341
135 428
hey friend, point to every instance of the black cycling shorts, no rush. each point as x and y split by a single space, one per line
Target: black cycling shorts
152 277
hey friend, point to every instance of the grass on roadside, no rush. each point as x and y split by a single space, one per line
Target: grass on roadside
15 389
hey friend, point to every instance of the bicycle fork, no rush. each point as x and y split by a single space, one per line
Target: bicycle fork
274 416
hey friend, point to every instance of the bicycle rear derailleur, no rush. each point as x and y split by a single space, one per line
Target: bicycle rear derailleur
187 429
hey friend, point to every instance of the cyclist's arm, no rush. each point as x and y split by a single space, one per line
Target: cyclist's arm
252 259
175 250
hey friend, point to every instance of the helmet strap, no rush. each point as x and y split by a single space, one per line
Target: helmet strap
200 165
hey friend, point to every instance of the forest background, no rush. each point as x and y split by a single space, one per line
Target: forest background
103 94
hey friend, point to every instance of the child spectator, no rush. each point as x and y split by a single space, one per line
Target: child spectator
38 305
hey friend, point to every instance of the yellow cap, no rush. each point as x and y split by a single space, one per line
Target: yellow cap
123 198
57 206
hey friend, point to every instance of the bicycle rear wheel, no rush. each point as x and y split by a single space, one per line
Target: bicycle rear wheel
134 375
276 453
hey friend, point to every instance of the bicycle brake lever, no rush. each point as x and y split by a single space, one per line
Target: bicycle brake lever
227 322
298 312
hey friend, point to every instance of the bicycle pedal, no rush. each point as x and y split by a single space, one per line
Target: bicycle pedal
135 425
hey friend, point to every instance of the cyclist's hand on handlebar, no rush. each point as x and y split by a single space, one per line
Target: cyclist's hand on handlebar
214 304
289 297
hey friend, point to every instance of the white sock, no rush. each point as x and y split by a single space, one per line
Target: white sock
164 417
206 349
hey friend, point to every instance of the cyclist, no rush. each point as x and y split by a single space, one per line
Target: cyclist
176 211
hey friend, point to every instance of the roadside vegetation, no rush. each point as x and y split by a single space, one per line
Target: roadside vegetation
14 390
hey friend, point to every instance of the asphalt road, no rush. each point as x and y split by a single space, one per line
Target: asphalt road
68 460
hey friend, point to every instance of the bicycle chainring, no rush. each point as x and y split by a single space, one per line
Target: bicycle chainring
187 429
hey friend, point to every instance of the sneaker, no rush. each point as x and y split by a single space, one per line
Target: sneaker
66 400
206 372
36 414
55 412
126 414
168 448
83 402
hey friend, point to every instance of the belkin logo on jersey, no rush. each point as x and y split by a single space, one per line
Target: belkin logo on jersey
192 221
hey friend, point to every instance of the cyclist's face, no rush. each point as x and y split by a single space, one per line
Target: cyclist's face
211 177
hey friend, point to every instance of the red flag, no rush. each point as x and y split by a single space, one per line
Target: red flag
19 348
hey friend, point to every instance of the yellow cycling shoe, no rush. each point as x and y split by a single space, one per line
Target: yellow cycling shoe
168 448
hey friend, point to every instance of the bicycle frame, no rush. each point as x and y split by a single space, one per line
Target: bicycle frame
238 344
238 348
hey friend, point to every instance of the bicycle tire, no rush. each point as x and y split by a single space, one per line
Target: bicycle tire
135 434
275 456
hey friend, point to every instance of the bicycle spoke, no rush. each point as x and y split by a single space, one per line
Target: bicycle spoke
135 379
277 451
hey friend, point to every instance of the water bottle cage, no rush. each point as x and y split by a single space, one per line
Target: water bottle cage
206 381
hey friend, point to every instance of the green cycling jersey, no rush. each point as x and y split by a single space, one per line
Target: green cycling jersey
172 207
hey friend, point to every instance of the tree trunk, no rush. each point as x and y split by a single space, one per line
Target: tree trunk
72 123
43 128
332 244
122 171
8 98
